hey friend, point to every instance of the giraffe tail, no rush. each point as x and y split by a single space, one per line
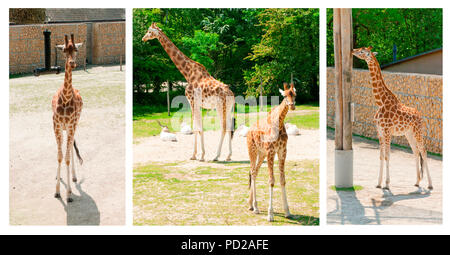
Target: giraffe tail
78 152
233 126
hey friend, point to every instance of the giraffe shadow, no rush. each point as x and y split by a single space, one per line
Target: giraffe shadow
82 210
390 198
293 218
231 162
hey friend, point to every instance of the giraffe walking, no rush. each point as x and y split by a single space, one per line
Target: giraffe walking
66 105
202 91
266 138
394 119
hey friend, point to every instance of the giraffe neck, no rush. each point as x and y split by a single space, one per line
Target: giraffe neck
177 56
381 92
67 88
279 113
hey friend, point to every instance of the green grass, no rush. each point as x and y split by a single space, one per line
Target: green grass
354 188
145 119
216 194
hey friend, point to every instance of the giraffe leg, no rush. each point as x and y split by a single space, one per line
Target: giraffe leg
424 158
220 113
68 150
380 172
230 123
195 146
282 158
202 142
270 159
59 140
413 144
387 152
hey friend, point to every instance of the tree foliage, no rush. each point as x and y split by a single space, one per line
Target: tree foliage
412 31
237 46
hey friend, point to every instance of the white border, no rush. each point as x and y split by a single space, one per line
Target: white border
5 228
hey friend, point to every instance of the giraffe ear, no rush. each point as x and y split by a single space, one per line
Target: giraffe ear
60 47
78 45
282 93
370 48
374 53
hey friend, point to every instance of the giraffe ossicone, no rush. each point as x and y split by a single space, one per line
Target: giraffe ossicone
394 119
202 91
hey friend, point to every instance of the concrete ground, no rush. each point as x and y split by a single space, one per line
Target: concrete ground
99 194
402 204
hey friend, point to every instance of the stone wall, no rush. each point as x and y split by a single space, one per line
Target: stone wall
26 44
423 92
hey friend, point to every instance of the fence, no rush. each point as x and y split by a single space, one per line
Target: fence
423 92
104 43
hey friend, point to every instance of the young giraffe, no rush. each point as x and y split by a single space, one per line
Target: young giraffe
202 91
394 118
66 105
266 138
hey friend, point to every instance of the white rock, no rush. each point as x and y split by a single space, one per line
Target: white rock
291 129
168 137
242 130
185 129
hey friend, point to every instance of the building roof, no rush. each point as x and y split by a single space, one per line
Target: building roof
411 58
73 15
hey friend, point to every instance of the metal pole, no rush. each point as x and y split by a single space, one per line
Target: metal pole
168 99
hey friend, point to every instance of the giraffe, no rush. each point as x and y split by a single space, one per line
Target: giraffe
394 119
266 138
66 105
202 91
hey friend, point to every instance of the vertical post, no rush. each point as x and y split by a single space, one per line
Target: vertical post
168 99
260 94
85 54
121 56
292 77
342 26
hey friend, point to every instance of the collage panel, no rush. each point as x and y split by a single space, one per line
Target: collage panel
67 116
384 116
246 80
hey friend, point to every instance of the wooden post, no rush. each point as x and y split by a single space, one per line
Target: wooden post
343 59
168 99
120 58
85 54
260 94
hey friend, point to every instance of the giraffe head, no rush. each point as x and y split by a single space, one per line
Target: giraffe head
70 50
365 53
289 94
152 32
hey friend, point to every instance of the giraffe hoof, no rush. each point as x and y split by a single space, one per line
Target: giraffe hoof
193 158
202 160
215 159
74 179
430 187
250 208
378 187
386 188
69 200
270 218
57 195
256 211
417 185
228 159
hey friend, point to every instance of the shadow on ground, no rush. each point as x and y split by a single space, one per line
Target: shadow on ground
82 210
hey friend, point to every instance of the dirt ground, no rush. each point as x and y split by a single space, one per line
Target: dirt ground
402 204
99 195
170 189
153 149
